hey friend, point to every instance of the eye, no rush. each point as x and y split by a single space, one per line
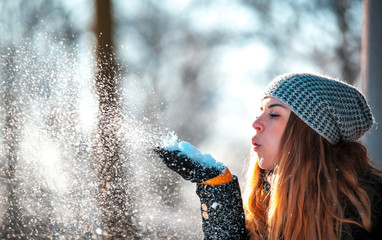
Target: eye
273 115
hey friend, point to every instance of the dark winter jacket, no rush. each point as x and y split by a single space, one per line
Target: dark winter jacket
222 211
223 214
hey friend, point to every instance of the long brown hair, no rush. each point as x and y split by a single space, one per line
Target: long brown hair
311 185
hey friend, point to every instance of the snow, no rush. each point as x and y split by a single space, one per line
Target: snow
192 152
215 205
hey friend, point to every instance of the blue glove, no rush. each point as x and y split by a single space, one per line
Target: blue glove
189 162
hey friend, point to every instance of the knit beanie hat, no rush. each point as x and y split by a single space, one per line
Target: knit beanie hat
335 110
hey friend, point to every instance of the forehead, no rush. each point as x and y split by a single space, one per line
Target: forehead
266 102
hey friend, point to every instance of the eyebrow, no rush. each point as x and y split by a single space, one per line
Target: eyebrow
276 105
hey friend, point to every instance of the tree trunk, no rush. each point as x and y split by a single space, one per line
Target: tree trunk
112 180
372 72
12 220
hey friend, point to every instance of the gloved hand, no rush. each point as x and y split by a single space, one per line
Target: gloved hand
189 162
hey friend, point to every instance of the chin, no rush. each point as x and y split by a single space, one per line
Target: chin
263 164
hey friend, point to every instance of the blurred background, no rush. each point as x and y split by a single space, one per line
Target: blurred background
88 86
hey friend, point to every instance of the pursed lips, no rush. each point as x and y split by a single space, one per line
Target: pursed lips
255 144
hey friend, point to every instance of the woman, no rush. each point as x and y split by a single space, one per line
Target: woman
311 179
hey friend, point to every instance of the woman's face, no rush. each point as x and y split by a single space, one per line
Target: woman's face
269 128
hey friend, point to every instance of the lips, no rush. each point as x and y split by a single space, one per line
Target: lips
255 144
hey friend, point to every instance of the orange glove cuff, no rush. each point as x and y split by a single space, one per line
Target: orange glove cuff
222 179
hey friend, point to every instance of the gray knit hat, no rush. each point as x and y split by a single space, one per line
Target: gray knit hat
334 109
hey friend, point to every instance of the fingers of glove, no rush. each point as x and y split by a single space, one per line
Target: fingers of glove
172 158
194 166
179 163
161 152
175 160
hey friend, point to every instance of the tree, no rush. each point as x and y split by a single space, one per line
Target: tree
112 179
372 72
13 219
336 23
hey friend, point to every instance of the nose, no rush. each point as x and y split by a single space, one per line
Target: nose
257 125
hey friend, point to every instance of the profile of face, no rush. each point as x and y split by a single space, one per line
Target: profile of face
269 128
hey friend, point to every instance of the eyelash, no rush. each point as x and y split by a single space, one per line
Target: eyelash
273 115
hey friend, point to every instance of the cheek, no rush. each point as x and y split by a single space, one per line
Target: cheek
271 156
268 156
277 135
277 143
